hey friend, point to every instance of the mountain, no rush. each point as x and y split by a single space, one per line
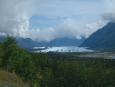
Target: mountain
103 39
66 42
26 43
29 43
1 38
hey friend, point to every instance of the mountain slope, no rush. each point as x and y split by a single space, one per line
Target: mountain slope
102 39
29 43
66 42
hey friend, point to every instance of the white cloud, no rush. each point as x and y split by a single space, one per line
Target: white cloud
79 17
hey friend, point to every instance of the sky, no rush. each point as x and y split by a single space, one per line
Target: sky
45 20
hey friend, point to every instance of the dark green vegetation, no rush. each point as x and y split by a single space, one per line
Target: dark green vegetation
103 39
54 70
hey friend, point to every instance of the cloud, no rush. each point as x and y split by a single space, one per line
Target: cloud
68 28
109 17
66 18
12 15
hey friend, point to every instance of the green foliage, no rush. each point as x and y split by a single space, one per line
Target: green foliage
9 47
17 60
55 70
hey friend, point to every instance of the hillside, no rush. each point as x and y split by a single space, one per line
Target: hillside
103 39
10 80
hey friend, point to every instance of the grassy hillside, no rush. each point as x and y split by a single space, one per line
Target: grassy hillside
10 80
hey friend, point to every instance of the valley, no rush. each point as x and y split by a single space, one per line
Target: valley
19 67
57 43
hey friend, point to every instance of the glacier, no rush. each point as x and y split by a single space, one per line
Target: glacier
62 49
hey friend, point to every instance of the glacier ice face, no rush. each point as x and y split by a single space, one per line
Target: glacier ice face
65 49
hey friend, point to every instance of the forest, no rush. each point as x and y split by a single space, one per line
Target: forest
21 68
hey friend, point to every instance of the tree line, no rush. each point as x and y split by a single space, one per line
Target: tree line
45 70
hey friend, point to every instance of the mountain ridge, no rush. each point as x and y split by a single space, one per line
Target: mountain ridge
102 39
28 43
